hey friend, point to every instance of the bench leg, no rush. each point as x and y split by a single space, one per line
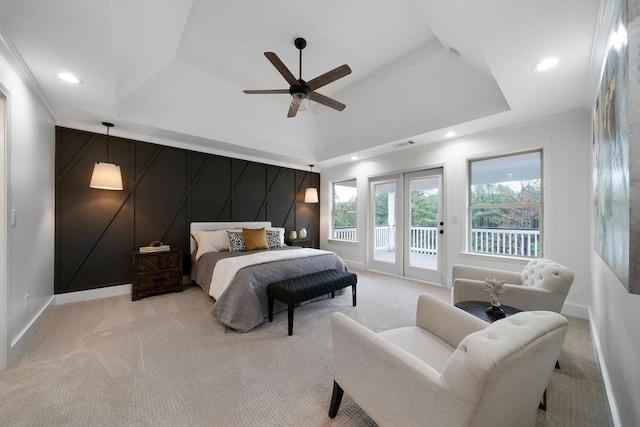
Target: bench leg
353 292
270 309
333 294
291 319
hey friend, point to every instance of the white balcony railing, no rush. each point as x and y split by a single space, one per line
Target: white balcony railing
424 240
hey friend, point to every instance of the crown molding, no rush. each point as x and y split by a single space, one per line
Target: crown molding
15 60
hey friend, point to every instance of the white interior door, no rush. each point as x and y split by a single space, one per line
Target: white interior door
424 226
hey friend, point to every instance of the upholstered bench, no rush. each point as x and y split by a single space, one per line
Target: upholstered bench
303 288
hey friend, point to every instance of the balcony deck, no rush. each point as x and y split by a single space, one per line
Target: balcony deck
416 260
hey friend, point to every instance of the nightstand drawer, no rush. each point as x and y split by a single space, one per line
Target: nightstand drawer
158 261
159 280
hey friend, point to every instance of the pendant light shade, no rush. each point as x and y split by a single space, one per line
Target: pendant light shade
106 176
311 194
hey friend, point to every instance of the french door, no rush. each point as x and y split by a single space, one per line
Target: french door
406 225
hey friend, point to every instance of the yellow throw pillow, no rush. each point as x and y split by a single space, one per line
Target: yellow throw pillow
255 238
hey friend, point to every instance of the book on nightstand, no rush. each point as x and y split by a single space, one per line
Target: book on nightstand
149 249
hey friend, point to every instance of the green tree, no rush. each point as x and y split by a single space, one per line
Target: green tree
507 193
345 214
424 208
382 209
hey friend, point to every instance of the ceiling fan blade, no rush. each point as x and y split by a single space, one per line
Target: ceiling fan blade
329 76
266 91
325 100
293 110
290 78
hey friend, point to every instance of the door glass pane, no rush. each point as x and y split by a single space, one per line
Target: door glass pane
423 236
385 223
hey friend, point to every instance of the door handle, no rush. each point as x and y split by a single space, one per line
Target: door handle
441 231
441 223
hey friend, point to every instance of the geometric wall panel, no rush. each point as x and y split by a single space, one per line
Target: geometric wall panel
165 189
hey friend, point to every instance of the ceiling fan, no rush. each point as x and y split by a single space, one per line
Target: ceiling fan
302 92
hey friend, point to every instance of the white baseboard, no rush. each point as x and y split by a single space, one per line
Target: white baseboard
604 372
355 265
23 338
575 310
90 294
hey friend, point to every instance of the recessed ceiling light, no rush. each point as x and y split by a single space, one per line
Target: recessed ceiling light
450 134
354 157
546 64
69 78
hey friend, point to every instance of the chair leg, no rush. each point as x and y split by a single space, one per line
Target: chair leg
353 292
336 399
543 404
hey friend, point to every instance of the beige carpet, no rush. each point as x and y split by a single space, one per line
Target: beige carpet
165 361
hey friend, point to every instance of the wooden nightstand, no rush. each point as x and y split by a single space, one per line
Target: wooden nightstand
156 273
305 243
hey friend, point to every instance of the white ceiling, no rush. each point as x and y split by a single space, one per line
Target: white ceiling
175 69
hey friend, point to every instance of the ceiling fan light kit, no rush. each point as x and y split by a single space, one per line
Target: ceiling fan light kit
303 92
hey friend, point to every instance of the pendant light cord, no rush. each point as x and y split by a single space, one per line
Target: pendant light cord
108 126
108 156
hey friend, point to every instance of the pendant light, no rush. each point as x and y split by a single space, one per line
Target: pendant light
106 176
311 194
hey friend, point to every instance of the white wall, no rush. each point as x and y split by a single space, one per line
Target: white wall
567 194
615 316
615 313
31 151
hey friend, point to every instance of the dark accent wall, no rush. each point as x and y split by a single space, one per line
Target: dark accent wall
165 189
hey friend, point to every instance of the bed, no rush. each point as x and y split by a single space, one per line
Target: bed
237 280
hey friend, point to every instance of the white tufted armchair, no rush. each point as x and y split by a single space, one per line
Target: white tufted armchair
450 369
542 285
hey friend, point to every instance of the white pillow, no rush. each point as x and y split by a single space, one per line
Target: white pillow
210 241
279 230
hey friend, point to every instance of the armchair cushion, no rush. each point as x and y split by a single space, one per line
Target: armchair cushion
438 331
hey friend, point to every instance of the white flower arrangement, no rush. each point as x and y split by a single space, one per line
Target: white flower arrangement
495 288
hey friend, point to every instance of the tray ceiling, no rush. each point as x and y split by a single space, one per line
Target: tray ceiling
175 70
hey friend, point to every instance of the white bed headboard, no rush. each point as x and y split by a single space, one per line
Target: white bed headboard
212 226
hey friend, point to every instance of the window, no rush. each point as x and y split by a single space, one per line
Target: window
344 210
505 205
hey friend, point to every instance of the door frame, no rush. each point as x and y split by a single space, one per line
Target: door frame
398 268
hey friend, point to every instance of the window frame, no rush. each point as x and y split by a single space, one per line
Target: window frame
538 205
334 211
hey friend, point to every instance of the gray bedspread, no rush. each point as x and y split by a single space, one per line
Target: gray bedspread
244 305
